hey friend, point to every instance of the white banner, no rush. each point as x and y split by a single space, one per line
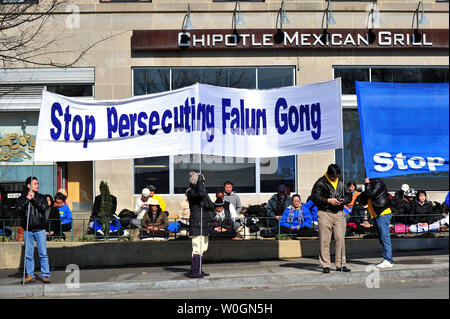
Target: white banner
199 119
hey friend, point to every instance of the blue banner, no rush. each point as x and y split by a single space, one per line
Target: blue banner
404 127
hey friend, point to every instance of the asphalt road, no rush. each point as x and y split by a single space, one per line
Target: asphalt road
420 289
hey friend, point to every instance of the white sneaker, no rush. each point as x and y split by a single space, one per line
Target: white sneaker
385 264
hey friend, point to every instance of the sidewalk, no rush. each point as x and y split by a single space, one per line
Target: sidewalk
232 275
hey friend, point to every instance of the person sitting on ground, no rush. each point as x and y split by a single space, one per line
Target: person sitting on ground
220 193
232 197
68 202
398 199
184 212
276 206
360 219
403 209
313 209
53 229
162 204
348 208
425 215
296 219
155 221
97 203
222 223
142 207
64 212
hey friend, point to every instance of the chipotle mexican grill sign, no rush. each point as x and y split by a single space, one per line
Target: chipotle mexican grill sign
148 40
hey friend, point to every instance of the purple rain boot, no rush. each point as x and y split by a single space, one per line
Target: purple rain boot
204 274
195 267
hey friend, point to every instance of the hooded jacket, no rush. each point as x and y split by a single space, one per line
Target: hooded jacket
38 205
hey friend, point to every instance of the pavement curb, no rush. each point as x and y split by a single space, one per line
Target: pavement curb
237 282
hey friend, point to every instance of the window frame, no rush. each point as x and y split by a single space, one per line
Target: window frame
256 159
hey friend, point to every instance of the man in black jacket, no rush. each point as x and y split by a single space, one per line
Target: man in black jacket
377 198
201 208
31 206
330 195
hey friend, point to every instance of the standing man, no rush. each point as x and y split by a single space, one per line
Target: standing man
31 205
378 202
330 195
232 197
201 208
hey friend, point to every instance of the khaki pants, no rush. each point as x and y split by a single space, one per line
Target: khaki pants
329 224
199 245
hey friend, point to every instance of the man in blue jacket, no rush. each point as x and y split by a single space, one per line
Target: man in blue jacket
296 219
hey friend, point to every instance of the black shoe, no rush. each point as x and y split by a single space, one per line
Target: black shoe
326 270
344 269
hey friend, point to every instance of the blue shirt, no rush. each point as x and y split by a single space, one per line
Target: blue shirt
292 218
65 214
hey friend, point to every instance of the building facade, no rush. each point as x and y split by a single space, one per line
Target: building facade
145 47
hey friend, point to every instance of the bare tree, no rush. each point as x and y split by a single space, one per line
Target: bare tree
24 39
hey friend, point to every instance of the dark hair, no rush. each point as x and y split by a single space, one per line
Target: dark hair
421 192
51 199
351 183
333 170
228 182
28 181
296 195
220 190
60 196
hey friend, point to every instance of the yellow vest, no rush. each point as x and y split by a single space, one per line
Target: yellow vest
372 211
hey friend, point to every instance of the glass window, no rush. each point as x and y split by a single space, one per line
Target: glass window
269 78
243 78
276 171
151 171
217 169
352 159
349 76
147 81
71 89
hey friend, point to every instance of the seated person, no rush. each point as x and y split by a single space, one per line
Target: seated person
426 216
404 208
68 202
222 223
152 190
276 206
97 203
184 213
64 212
155 221
348 208
220 193
231 197
360 220
142 206
296 219
313 209
53 219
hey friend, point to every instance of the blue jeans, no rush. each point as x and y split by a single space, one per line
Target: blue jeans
41 242
385 237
